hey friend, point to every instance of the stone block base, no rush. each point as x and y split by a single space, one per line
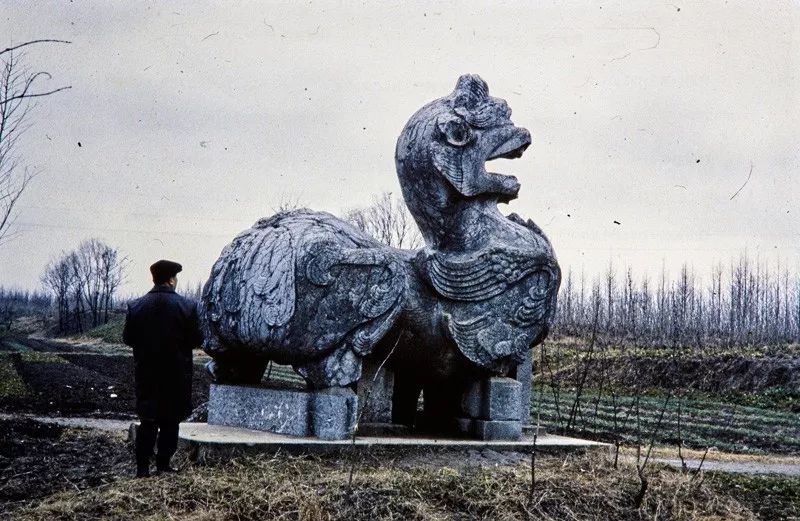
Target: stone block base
493 399
491 410
491 430
329 414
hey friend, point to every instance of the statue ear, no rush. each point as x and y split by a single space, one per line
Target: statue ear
455 130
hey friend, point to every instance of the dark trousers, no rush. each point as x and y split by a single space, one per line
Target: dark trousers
166 431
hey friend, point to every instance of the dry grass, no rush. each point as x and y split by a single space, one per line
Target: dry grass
11 384
282 487
671 452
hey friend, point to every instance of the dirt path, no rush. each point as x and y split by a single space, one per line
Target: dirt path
737 467
733 467
761 468
82 423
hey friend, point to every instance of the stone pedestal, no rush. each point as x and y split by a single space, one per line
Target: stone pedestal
491 410
328 414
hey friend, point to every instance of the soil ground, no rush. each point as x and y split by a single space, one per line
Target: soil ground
74 379
51 471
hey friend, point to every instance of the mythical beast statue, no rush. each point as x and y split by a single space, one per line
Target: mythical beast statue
308 289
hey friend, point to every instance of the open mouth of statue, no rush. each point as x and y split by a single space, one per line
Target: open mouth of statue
513 147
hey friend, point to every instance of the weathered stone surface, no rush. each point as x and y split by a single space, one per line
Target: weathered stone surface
307 289
327 414
375 393
333 413
490 430
472 403
466 426
525 378
496 398
382 429
497 429
501 399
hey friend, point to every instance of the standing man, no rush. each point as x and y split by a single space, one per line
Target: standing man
162 327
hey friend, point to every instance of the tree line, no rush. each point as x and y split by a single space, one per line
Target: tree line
743 302
83 283
17 303
746 302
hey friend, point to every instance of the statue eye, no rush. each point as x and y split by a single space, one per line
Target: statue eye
455 130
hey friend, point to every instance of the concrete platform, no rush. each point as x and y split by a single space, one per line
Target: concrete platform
205 441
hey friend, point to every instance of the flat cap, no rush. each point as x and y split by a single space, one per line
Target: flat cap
163 270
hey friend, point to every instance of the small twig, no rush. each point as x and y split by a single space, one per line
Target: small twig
700 466
70 482
745 183
361 412
639 499
536 431
37 95
680 437
581 376
10 49
533 466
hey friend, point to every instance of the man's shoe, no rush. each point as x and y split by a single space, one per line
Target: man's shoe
142 472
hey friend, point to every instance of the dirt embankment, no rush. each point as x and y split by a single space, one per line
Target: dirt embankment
705 370
709 373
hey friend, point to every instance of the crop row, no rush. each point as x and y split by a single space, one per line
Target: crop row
709 421
689 405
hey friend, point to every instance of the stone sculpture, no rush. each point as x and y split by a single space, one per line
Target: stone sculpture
308 289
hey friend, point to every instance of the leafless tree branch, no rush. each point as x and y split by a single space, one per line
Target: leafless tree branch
14 48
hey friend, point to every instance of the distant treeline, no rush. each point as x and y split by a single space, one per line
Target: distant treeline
17 303
743 303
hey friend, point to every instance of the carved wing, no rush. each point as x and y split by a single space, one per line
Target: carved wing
485 340
367 287
524 284
363 293
486 274
259 282
269 276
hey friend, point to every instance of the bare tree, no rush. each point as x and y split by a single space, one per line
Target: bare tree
287 202
83 283
58 280
388 220
18 86
749 305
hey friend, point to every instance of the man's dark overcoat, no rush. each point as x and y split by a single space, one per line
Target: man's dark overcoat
162 327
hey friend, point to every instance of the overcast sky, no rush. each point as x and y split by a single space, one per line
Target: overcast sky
196 119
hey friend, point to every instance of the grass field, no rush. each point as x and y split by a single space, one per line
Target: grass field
435 486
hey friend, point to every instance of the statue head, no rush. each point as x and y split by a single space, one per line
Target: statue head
442 151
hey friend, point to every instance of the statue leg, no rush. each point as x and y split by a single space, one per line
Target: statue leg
246 370
341 368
